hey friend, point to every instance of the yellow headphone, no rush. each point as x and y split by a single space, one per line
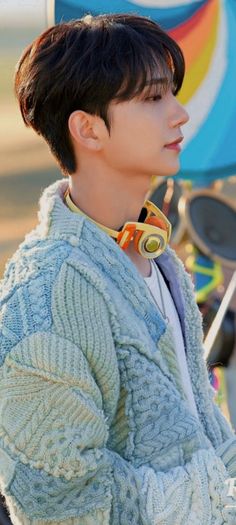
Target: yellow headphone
150 237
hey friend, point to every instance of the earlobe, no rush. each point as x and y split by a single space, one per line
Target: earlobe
83 129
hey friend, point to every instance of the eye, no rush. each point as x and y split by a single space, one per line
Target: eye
154 98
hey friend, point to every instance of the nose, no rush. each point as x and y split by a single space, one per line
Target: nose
179 115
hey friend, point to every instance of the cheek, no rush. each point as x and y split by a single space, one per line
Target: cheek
137 131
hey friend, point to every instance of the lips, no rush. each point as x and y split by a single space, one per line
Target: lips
177 141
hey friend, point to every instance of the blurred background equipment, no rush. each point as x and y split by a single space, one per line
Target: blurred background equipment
208 274
211 222
4 516
222 348
216 325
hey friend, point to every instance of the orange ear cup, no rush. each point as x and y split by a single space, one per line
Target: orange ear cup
136 240
155 221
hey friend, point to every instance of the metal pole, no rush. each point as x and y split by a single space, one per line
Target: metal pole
215 326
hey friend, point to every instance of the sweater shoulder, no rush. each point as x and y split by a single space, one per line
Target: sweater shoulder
26 288
45 284
32 259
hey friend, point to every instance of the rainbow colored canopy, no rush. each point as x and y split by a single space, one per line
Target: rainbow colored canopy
206 32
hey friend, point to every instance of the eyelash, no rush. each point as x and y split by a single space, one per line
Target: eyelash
154 98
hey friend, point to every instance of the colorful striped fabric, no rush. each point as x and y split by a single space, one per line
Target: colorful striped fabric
205 30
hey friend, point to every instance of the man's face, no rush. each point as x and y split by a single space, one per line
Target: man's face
140 130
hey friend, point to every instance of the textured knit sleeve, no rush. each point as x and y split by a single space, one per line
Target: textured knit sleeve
59 391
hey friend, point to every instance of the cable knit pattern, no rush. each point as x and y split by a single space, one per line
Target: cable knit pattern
95 427
166 346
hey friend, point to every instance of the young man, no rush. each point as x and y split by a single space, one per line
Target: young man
107 413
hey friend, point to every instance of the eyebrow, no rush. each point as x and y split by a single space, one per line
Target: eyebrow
164 81
161 80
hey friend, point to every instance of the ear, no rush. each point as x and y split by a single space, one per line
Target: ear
85 129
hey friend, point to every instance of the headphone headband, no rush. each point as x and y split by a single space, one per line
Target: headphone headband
150 237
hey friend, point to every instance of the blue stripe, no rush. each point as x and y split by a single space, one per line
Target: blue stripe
168 17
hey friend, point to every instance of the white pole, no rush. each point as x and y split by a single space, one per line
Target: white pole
51 12
215 326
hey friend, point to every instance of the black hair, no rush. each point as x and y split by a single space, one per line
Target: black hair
87 63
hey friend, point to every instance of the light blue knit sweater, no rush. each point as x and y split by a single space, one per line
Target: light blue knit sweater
95 427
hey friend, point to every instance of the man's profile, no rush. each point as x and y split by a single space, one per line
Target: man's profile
107 412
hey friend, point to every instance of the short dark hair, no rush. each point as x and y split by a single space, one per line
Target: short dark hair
85 64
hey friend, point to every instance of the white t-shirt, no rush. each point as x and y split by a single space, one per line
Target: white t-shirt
173 317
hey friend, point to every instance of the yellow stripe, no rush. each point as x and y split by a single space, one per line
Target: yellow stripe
196 73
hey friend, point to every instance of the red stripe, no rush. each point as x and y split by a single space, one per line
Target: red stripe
183 29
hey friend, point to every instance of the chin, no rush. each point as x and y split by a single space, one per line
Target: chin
172 171
167 173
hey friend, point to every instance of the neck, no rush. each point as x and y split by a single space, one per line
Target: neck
142 264
111 205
